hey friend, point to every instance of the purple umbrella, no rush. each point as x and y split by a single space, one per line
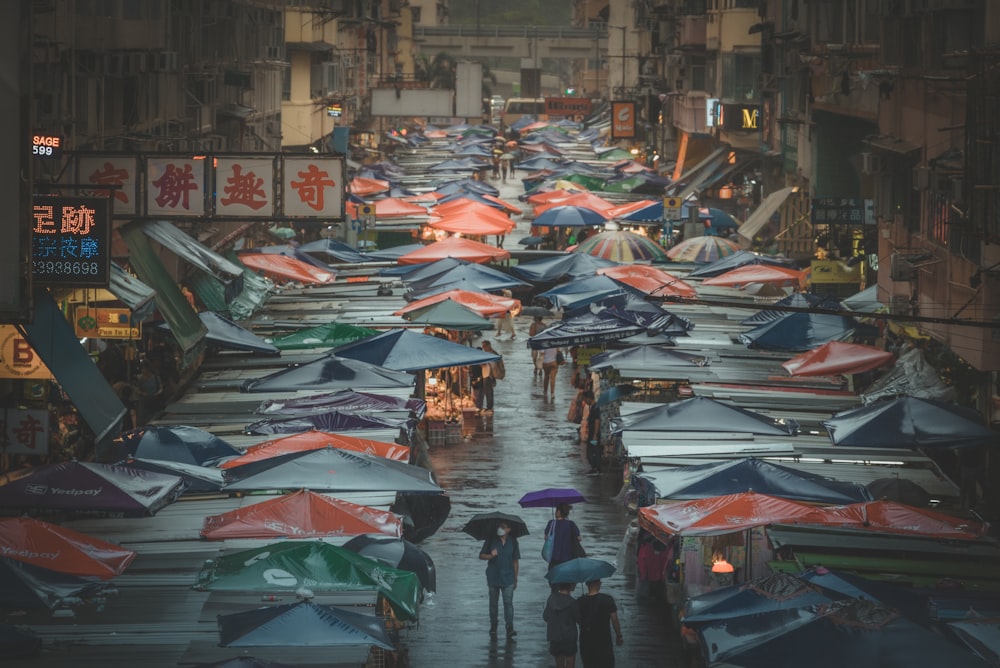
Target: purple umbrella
551 497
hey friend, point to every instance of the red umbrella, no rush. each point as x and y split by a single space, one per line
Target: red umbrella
303 514
836 357
314 440
759 273
456 247
653 281
60 549
482 303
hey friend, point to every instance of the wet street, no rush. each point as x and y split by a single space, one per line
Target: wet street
532 447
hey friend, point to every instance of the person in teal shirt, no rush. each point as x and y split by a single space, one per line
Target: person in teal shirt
502 555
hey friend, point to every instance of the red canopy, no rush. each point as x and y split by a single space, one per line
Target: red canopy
584 199
60 549
759 273
628 207
392 207
456 247
837 358
893 517
507 206
303 514
482 303
653 281
365 187
554 194
470 217
726 514
284 268
315 440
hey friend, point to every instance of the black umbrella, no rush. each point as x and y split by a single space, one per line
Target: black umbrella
899 490
484 525
398 553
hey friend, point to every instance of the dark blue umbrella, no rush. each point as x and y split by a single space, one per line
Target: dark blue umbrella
739 259
799 332
568 265
581 569
174 443
551 497
406 350
397 553
569 216
530 241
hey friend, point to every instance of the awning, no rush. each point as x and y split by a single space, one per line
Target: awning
195 253
767 208
187 329
892 144
52 337
132 292
703 169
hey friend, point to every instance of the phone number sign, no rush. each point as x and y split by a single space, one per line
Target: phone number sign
71 241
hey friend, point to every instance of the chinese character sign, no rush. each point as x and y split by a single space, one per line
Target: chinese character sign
118 176
244 187
314 187
27 432
71 241
175 187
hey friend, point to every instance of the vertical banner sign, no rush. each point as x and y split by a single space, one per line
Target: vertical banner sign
71 241
244 187
27 431
313 187
118 176
175 186
623 120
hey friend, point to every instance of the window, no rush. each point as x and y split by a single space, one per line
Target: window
739 76
829 21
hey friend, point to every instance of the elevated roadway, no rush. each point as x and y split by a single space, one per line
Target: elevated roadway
512 41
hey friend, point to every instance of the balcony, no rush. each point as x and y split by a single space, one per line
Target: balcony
689 111
692 32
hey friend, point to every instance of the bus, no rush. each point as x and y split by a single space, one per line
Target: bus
518 107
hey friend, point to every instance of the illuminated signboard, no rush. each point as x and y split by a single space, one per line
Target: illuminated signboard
622 120
335 110
567 106
45 145
105 323
739 117
71 241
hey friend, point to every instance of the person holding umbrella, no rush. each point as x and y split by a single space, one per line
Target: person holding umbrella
502 555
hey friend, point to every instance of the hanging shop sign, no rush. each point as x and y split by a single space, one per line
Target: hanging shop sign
46 145
842 211
71 241
105 323
567 106
27 431
736 117
17 358
623 120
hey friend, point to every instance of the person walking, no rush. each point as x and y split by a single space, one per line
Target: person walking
490 373
596 611
561 616
590 432
566 538
505 323
502 556
536 327
551 359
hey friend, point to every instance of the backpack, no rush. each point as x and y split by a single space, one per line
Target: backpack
499 371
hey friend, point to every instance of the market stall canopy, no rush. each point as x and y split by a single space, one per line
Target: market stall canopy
473 224
390 207
301 514
770 593
24 586
892 517
911 375
837 357
639 208
759 273
284 268
585 329
197 479
653 281
569 216
586 291
702 250
482 277
482 303
909 422
799 332
365 187
719 515
451 315
290 250
132 292
330 335
799 300
738 259
174 443
332 421
393 253
622 246
406 350
398 553
331 251
639 358
330 373
316 440
61 549
331 470
706 415
302 624
89 487
457 247
226 334
762 214
344 400
558 267
866 301
314 564
744 475
195 253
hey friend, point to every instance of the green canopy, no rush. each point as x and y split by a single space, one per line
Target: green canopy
290 565
449 314
587 181
625 185
330 335
616 154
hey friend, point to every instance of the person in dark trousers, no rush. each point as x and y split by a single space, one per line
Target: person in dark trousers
502 555
592 420
596 610
561 617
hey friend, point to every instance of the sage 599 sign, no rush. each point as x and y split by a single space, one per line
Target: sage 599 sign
71 241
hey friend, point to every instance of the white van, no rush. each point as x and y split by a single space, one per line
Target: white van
518 107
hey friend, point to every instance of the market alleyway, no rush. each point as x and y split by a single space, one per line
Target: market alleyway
533 446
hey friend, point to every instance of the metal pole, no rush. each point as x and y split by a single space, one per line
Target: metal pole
623 60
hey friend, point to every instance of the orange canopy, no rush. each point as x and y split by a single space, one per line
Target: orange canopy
456 247
507 206
653 281
482 303
392 207
837 357
365 187
548 195
302 514
892 517
725 514
628 207
759 273
586 199
315 440
60 549
471 225
284 268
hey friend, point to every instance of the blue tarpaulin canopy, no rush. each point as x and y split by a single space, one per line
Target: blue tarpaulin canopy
469 276
330 251
797 300
330 373
705 414
645 357
799 332
303 624
739 259
226 334
333 421
585 291
585 329
909 422
570 265
406 350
